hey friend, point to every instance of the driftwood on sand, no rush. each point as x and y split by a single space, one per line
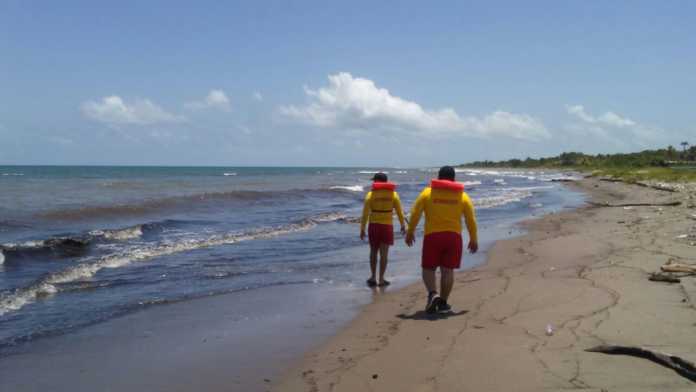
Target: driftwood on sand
562 180
660 277
658 187
667 204
673 266
683 367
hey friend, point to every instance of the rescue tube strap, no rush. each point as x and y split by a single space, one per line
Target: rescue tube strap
448 185
389 186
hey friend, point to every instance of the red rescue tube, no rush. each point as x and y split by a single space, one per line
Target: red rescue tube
389 186
447 184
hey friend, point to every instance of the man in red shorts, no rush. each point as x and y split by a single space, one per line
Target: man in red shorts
379 207
444 202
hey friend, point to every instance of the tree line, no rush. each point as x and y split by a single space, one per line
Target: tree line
664 157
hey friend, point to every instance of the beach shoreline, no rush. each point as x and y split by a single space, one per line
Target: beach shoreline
583 273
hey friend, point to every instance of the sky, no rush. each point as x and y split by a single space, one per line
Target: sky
286 83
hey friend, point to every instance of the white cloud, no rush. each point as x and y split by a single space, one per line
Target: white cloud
115 111
357 103
216 99
608 118
613 128
257 96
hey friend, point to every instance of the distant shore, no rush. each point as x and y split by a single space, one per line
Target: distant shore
523 320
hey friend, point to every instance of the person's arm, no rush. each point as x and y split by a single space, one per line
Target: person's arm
416 212
365 215
470 219
399 211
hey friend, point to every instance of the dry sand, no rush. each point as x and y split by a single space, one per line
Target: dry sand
583 272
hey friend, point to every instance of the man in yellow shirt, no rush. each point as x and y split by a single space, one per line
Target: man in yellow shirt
444 202
380 203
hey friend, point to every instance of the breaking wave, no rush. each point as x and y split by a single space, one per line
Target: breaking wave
120 234
372 172
510 195
69 246
351 188
63 246
47 286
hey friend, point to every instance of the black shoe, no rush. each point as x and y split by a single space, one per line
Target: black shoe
371 282
434 301
444 307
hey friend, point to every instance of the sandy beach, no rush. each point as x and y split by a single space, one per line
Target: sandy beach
582 272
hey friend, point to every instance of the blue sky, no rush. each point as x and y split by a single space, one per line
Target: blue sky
359 83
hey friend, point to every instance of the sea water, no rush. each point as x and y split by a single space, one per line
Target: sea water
83 245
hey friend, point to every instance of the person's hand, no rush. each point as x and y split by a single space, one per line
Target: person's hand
362 235
473 246
403 230
410 239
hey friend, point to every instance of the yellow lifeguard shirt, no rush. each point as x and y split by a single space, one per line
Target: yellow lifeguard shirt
443 209
379 207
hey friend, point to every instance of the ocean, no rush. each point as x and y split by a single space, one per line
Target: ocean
80 246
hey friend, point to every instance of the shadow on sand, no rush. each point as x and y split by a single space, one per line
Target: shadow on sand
423 315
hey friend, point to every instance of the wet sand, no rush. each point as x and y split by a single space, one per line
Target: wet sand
583 272
222 343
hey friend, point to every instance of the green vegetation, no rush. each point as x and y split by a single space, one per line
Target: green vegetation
664 174
666 164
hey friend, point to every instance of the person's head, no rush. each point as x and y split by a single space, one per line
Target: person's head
379 177
446 173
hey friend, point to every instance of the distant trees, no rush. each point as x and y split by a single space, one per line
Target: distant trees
684 154
662 157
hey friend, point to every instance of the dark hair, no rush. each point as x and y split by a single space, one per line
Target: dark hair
446 173
379 177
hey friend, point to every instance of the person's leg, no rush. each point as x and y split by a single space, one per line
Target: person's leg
383 255
429 280
446 282
373 263
451 261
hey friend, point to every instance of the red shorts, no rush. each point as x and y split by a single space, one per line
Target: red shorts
442 249
380 234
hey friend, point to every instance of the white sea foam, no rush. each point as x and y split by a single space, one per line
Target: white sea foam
229 174
24 296
372 172
12 174
24 245
497 201
329 217
471 183
499 181
352 188
2 257
120 234
509 195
